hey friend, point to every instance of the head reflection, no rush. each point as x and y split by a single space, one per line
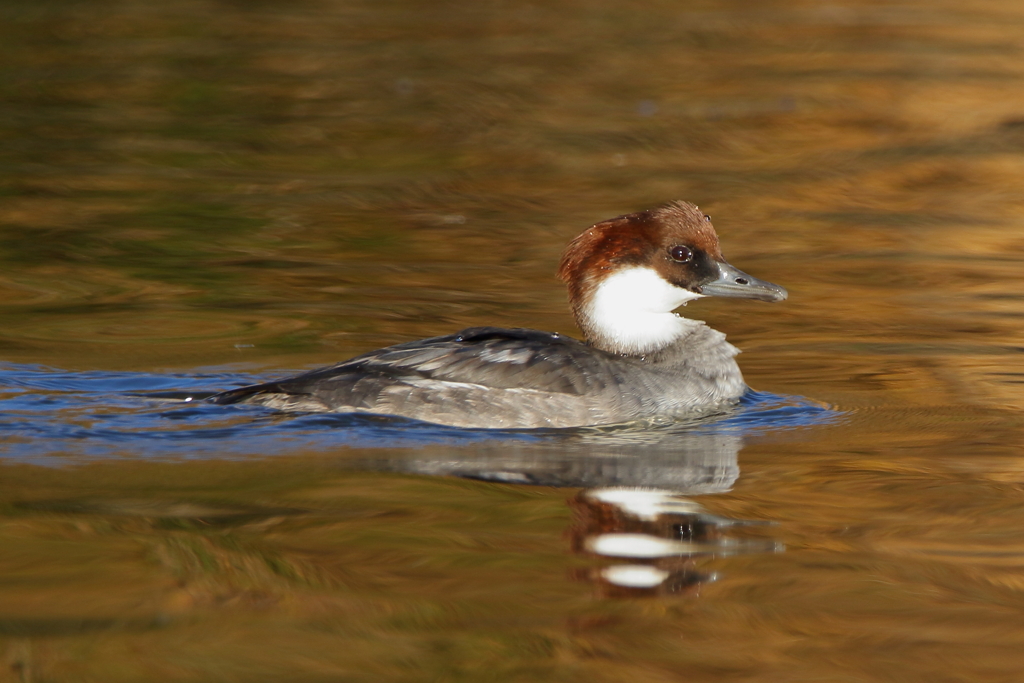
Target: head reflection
662 535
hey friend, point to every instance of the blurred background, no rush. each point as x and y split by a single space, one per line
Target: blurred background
315 179
196 193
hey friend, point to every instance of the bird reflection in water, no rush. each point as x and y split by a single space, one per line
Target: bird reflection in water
633 508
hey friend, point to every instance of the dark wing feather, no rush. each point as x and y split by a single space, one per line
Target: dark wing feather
480 356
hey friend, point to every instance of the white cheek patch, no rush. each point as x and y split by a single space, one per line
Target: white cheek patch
631 311
642 289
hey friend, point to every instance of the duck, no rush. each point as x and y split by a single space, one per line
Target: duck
638 361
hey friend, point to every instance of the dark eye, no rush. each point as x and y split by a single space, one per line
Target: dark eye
680 253
707 218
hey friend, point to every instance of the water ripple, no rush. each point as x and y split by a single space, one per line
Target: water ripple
49 412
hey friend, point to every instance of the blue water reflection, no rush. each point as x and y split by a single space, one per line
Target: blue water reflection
48 412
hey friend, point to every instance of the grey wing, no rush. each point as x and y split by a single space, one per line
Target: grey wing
480 377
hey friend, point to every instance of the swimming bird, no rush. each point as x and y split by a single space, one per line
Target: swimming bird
640 360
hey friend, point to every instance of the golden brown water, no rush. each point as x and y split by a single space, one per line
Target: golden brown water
197 193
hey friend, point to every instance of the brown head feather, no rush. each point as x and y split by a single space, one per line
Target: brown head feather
632 240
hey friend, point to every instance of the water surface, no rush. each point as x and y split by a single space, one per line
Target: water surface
203 193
